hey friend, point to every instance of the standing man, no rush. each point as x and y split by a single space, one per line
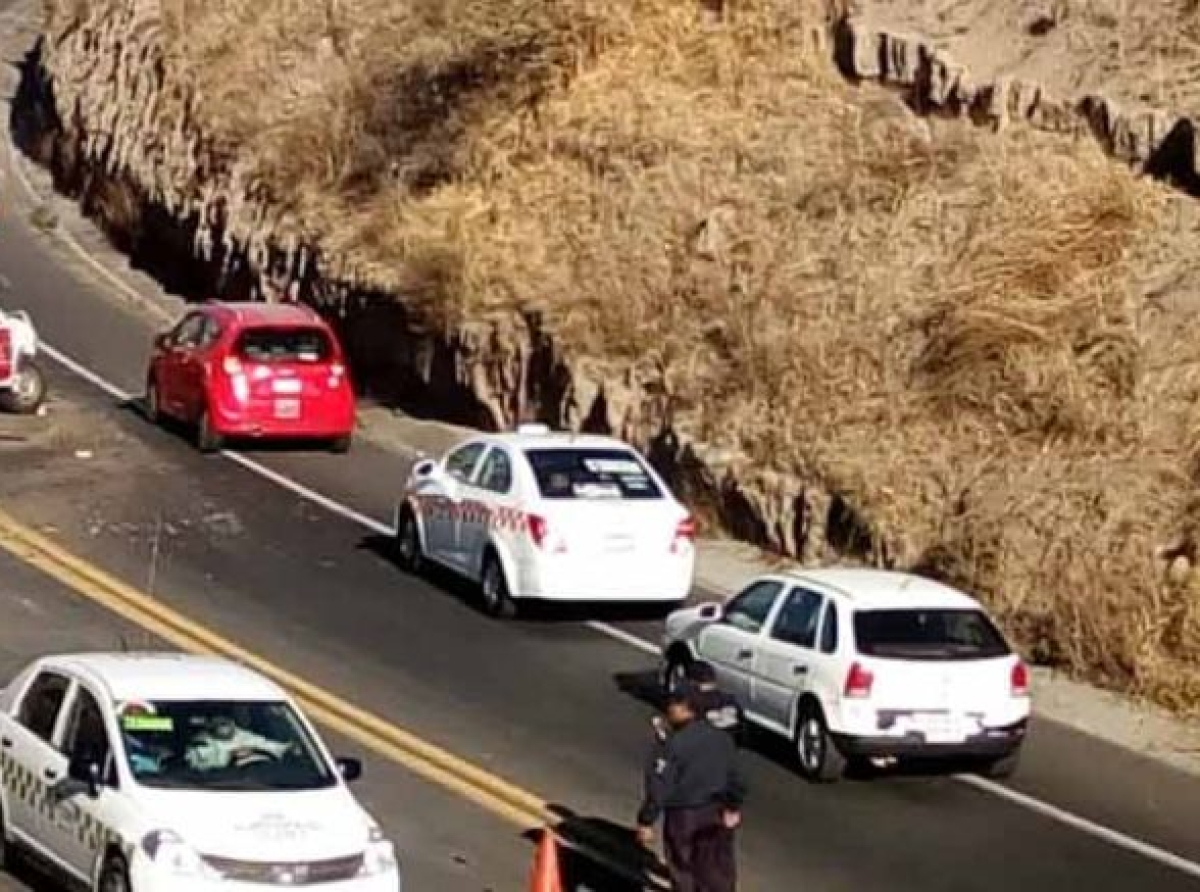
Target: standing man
722 710
692 781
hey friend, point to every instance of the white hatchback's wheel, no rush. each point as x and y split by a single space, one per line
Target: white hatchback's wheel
28 390
493 590
819 759
675 671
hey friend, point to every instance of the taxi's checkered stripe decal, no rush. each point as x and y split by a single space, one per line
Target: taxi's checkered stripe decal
26 786
495 517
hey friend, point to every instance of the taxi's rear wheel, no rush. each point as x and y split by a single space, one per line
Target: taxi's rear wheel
153 403
114 877
493 589
340 445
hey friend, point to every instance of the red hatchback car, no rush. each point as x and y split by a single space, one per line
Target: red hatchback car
253 370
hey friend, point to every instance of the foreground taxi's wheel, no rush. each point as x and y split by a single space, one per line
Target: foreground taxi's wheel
207 439
28 391
408 543
114 877
818 757
6 859
340 445
493 588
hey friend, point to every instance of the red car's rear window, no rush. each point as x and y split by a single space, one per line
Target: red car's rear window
285 345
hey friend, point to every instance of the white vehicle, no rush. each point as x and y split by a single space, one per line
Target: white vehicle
22 384
854 664
540 515
176 773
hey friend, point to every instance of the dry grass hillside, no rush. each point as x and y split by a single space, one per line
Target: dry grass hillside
980 338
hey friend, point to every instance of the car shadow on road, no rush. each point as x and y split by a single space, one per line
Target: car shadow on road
646 686
602 856
383 546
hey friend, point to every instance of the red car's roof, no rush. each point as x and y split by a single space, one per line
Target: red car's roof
262 313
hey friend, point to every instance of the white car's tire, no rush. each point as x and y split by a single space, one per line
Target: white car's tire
1002 768
409 553
6 850
493 589
675 668
817 756
28 391
114 876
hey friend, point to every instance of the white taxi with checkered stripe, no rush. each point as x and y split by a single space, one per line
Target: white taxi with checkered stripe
548 516
164 772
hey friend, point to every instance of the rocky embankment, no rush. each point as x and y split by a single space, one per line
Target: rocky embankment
96 108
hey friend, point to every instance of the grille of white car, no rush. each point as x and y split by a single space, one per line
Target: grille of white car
296 873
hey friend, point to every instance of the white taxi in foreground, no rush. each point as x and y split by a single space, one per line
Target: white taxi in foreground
539 515
175 773
862 664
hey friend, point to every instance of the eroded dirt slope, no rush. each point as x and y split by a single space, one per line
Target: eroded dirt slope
853 334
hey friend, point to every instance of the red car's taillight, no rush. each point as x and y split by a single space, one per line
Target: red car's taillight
858 682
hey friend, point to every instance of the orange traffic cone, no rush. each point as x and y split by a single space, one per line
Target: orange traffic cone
546 876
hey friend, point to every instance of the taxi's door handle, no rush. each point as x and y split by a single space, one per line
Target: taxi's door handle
6 742
50 774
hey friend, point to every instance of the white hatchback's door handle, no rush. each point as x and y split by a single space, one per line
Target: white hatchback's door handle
745 654
800 670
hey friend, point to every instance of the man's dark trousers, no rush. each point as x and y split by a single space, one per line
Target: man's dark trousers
699 850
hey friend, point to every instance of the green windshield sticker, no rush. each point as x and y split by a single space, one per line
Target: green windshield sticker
147 723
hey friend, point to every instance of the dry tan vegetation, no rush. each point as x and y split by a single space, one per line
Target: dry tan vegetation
949 326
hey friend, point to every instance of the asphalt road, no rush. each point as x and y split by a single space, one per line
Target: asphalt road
446 843
551 705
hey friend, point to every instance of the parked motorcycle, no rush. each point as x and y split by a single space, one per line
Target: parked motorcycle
22 383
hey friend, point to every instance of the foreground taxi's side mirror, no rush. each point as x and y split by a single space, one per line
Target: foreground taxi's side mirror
162 341
86 772
350 769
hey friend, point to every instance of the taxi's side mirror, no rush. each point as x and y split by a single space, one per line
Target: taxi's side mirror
86 772
162 341
350 769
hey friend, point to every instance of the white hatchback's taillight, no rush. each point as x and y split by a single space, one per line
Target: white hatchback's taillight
685 534
859 681
1018 682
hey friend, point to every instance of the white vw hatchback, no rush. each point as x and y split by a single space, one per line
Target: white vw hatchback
538 515
175 773
862 664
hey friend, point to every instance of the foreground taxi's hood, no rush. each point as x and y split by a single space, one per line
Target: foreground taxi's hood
291 826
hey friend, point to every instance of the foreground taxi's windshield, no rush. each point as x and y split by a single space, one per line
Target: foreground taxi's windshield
220 745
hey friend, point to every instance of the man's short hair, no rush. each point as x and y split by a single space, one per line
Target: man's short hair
700 672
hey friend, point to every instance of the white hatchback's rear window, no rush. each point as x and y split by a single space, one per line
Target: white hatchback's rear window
591 473
928 634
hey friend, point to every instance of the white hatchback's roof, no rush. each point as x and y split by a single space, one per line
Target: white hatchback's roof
168 676
879 589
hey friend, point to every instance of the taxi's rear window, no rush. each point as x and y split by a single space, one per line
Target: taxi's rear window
591 474
296 344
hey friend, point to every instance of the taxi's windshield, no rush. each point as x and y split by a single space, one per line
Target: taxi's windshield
252 746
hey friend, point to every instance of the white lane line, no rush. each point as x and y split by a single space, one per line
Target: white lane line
1037 806
1113 837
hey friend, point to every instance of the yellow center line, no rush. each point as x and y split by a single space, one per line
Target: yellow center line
431 762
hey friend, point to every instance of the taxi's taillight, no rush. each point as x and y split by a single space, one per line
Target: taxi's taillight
538 529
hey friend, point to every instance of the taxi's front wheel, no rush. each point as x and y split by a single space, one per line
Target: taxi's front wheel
6 860
115 875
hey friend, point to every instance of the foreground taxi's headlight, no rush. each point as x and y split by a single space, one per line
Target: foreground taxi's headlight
380 855
168 850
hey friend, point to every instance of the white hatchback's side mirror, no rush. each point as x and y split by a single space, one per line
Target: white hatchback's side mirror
711 611
424 469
